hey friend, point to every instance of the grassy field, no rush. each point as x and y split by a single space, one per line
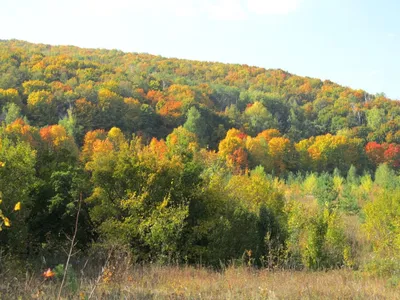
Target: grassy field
154 282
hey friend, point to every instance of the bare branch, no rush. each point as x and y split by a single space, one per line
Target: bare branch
71 248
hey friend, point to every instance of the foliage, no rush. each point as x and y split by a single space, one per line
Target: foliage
195 162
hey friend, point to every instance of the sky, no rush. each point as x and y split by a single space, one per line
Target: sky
355 43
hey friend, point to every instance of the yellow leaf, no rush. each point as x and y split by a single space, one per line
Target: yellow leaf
7 222
17 206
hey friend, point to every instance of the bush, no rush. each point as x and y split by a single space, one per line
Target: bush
316 239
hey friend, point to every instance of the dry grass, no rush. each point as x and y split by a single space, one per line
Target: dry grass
154 282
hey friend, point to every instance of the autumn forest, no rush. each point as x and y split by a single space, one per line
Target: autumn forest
175 162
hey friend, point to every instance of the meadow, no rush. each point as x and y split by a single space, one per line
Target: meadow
186 282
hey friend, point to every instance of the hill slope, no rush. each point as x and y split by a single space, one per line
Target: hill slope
196 162
113 83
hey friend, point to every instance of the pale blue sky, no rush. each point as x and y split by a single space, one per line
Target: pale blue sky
352 42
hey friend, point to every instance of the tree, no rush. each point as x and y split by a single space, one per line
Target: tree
325 192
232 148
385 177
9 96
328 152
41 108
69 122
352 177
31 86
375 153
392 155
197 125
258 153
85 112
12 112
282 153
382 228
259 118
17 181
182 142
111 109
131 117
375 118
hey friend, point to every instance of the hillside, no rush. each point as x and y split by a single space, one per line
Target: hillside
177 161
298 107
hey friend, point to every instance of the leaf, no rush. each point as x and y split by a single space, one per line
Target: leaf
17 206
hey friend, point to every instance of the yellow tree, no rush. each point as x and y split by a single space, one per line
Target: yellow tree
90 139
232 149
31 86
9 96
281 151
42 109
328 152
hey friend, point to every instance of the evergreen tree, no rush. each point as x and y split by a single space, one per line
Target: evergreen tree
196 124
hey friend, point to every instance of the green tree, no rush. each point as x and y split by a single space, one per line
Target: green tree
382 229
196 124
325 190
259 118
352 177
17 181
12 112
375 118
386 177
70 124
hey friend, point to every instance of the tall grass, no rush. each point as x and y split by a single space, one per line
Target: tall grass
185 282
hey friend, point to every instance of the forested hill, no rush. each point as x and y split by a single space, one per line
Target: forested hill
150 95
191 161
